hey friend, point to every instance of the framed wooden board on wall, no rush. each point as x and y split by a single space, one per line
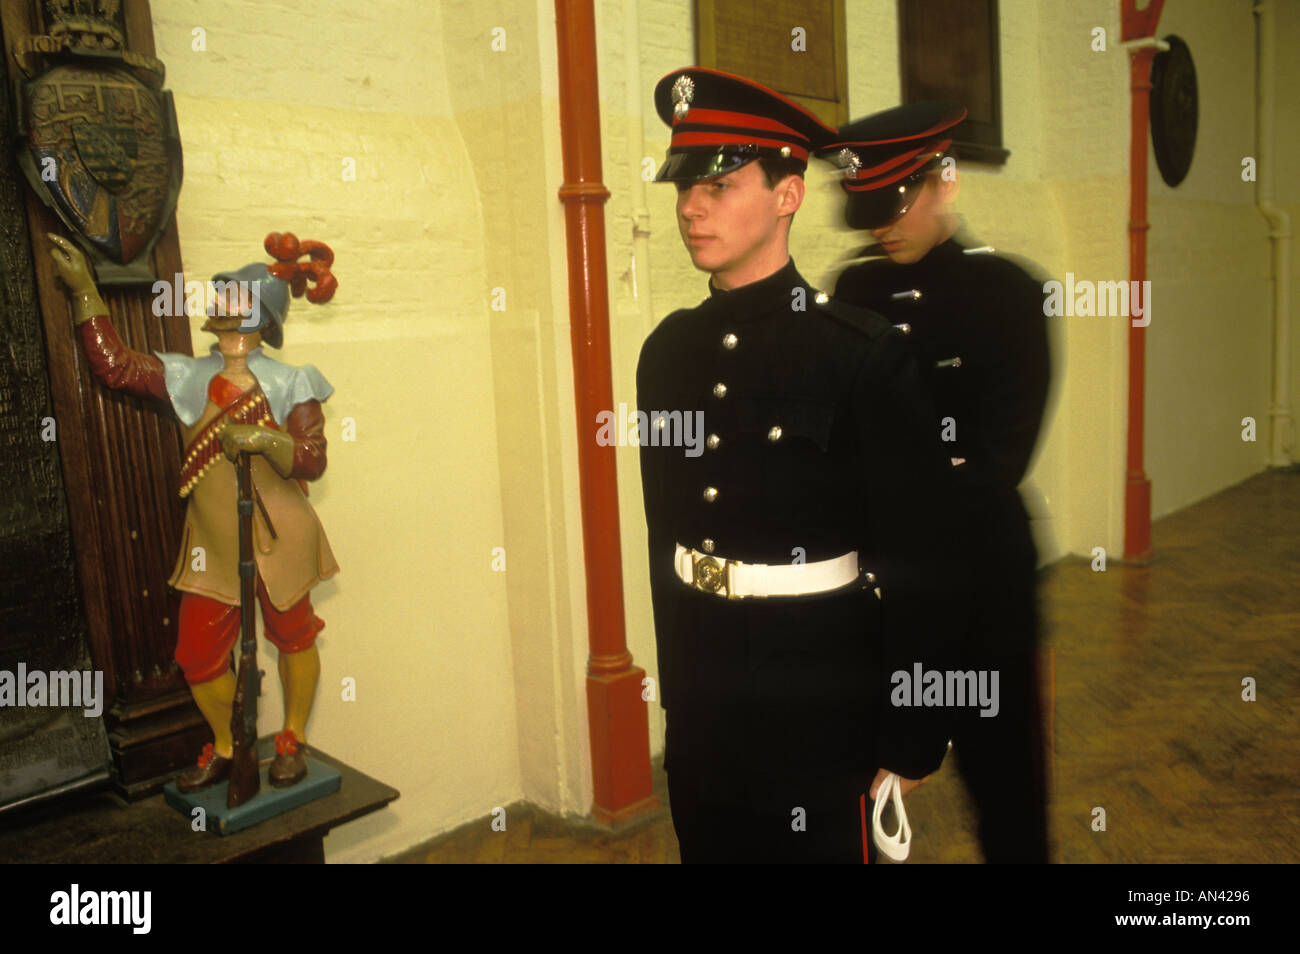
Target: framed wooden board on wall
796 47
948 50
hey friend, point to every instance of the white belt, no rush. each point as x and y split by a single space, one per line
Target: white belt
735 580
895 847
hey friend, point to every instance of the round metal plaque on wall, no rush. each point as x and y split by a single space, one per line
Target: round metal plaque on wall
1173 110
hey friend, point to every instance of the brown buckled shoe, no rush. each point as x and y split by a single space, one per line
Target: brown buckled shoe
289 767
210 770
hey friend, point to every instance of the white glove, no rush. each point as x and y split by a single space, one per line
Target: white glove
896 846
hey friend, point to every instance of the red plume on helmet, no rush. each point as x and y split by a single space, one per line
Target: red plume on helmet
285 248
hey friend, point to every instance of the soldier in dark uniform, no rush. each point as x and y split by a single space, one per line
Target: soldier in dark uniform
974 321
792 553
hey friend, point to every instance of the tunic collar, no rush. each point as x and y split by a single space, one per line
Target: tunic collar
760 297
940 258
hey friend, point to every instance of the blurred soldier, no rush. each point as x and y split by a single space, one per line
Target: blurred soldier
792 555
974 321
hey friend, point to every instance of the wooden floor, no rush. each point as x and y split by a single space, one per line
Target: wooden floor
1149 718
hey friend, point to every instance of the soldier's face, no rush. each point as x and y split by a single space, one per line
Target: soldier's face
926 224
731 224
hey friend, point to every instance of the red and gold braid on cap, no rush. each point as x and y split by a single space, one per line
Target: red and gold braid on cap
285 248
868 180
717 127
746 81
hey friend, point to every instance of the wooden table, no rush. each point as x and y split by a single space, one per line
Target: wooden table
103 827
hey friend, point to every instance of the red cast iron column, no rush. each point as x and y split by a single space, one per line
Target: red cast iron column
1138 24
620 738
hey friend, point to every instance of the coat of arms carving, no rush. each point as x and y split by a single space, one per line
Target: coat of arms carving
97 136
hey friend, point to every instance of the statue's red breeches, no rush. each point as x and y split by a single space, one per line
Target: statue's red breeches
209 631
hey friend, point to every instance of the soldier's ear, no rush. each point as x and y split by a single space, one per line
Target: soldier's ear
791 191
949 182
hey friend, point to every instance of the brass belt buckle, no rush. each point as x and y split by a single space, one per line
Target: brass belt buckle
710 576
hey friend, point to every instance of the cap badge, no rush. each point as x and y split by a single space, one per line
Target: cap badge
849 162
683 93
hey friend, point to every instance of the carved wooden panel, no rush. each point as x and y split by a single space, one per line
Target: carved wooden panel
45 748
120 458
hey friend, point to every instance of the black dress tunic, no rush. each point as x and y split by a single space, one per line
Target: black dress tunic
816 440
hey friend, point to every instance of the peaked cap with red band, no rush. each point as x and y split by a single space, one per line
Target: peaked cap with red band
721 121
886 155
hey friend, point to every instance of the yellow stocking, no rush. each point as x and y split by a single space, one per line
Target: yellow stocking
214 699
299 673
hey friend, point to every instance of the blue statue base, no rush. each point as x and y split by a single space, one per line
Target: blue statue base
321 780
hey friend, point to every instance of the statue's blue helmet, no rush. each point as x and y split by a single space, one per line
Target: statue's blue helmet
270 286
270 300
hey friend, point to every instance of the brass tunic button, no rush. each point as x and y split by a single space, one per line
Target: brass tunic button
719 390
713 441
871 577
729 342
785 152
774 434
660 421
822 298
707 545
710 494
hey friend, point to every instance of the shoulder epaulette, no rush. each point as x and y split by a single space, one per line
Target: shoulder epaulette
864 321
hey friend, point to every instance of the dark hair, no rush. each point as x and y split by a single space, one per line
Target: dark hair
774 170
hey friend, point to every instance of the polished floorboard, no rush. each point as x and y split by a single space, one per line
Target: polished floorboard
1148 718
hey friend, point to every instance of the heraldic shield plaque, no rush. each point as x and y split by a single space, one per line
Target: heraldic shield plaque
97 136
